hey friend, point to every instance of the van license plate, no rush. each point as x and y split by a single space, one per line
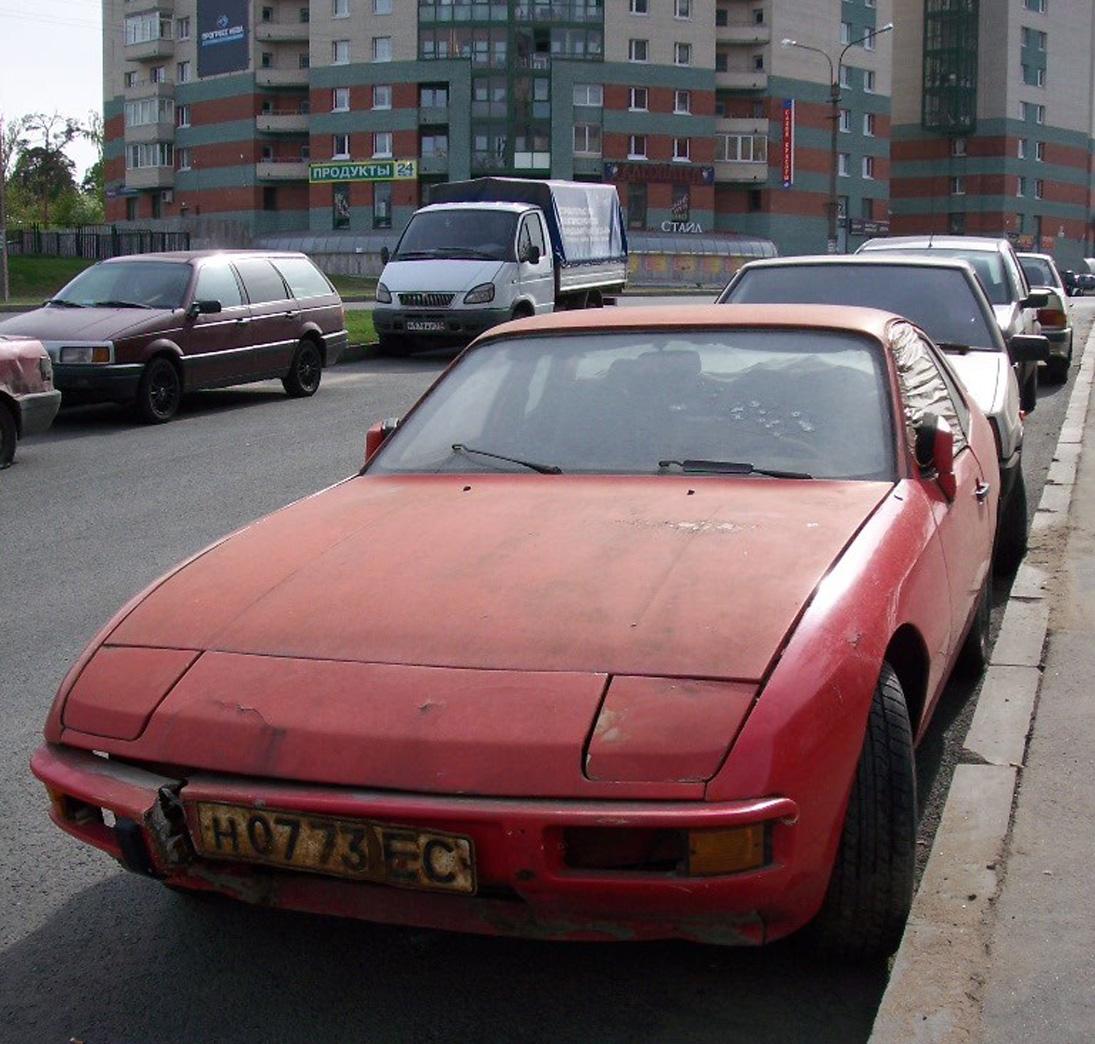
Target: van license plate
425 325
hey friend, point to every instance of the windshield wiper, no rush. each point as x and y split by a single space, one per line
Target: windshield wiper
543 469
118 304
62 303
729 467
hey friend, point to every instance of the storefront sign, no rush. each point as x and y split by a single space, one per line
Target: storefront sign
222 37
351 170
677 173
686 228
866 227
787 115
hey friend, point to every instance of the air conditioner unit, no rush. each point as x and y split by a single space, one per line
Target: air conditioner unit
167 196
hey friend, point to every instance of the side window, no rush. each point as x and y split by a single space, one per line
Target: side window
524 239
536 233
261 280
218 283
924 389
304 279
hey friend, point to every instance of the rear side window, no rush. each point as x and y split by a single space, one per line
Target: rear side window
304 279
261 280
217 282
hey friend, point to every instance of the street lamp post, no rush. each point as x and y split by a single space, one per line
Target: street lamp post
832 207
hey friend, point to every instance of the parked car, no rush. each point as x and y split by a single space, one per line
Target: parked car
1015 304
145 328
583 652
1055 319
28 400
1077 283
947 300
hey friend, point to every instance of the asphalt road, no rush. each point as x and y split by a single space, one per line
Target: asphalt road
98 507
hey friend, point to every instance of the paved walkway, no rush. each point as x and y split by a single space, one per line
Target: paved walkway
1000 946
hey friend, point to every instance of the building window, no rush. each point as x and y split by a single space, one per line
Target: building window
267 60
340 146
844 121
587 139
434 144
382 145
843 164
182 159
956 224
382 96
382 7
340 9
682 8
868 42
340 99
182 28
152 154
638 99
845 76
382 48
1034 75
433 97
340 52
182 116
681 150
340 205
304 60
682 103
868 124
304 15
958 146
1035 5
131 208
639 7
636 50
682 54
144 112
636 205
758 63
158 74
845 32
636 146
382 204
958 186
1029 111
1039 188
868 80
755 201
267 14
1021 148
741 148
144 28
268 153
868 168
130 79
1040 151
758 16
589 94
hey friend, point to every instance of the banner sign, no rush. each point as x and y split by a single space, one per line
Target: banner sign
223 45
868 227
677 173
351 170
787 116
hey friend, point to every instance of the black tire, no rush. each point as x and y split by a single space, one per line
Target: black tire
1012 530
160 391
973 656
1028 394
8 436
871 889
305 372
1057 370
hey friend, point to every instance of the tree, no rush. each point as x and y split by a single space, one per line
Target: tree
46 175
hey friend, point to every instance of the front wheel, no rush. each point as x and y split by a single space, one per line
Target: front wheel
870 892
8 435
304 374
160 391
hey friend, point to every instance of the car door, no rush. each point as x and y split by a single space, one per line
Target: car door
275 317
216 344
537 280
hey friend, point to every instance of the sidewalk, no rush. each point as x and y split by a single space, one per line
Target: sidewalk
1000 946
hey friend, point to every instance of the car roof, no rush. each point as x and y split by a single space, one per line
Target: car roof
870 322
514 207
977 243
894 260
197 255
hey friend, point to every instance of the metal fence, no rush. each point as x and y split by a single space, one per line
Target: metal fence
94 242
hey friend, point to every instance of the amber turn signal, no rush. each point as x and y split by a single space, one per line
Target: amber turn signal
726 851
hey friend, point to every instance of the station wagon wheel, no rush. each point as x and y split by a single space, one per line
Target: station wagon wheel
160 391
305 372
8 436
871 889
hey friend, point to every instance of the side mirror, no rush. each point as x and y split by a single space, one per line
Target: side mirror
1036 299
935 453
377 435
204 308
532 254
1028 348
385 255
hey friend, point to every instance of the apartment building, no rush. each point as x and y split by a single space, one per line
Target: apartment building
993 121
710 116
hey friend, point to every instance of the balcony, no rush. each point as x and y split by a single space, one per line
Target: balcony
741 173
436 164
282 170
433 114
281 77
744 34
148 132
150 50
278 32
589 165
282 122
728 125
742 81
150 177
149 89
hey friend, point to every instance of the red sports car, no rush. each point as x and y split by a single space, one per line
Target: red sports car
627 630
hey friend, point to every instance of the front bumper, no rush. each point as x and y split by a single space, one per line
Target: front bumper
97 382
525 886
445 325
37 410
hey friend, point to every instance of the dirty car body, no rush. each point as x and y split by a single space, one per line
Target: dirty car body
28 399
584 651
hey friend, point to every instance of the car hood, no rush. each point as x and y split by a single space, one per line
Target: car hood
438 275
985 376
85 324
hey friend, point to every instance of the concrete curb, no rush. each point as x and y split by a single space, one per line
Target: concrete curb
951 922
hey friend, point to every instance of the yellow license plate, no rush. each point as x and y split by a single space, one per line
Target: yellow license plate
356 848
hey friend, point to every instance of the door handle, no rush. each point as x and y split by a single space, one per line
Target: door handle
981 491
242 321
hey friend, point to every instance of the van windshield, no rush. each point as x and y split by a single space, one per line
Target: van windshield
464 233
127 284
